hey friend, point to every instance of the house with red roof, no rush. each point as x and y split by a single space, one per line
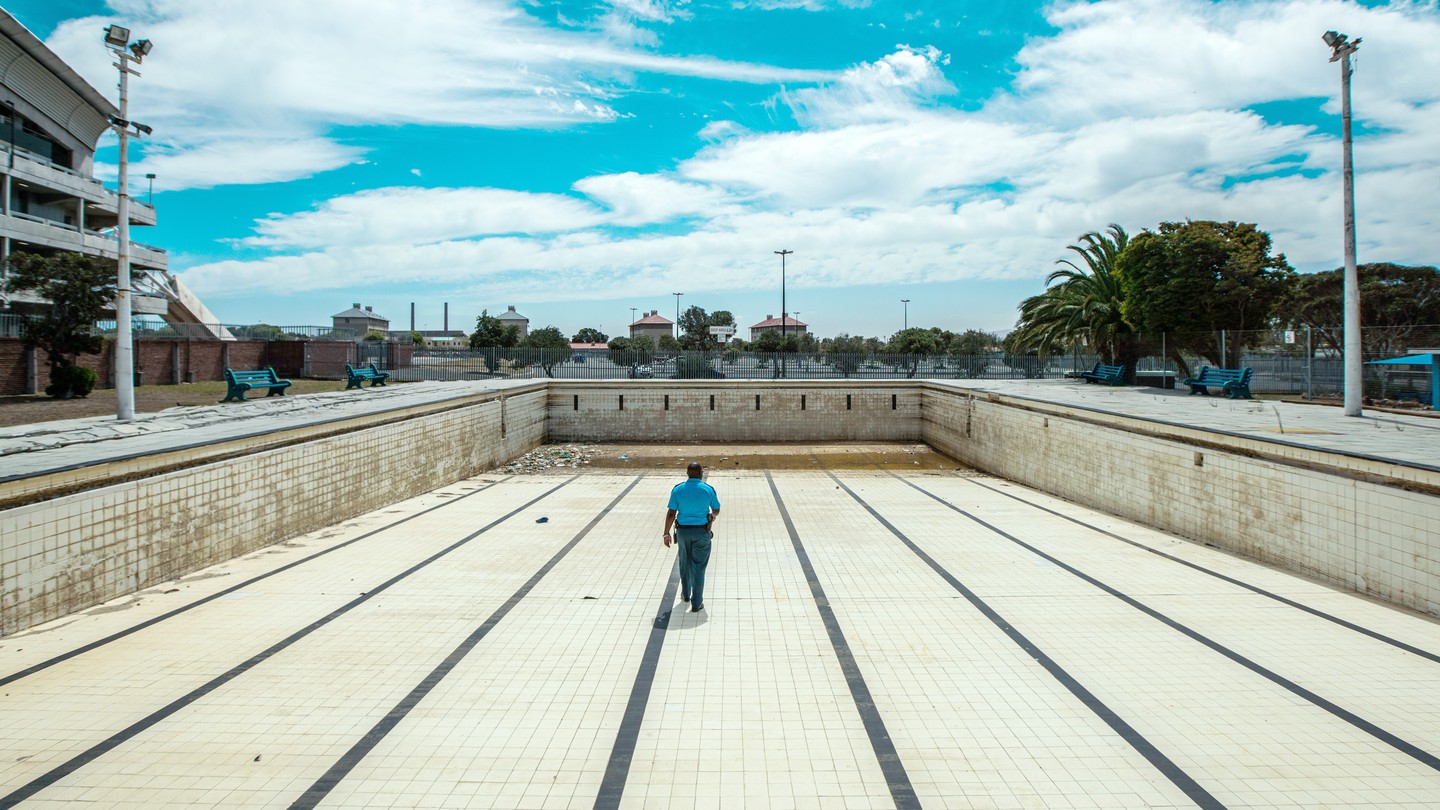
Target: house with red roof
653 326
772 324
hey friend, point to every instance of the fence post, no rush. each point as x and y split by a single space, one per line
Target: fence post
1309 365
32 371
1222 348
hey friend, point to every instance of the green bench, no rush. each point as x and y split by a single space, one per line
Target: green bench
356 377
1109 375
1235 382
241 381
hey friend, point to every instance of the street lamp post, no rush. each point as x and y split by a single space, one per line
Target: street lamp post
782 254
906 322
1341 48
677 315
117 39
150 190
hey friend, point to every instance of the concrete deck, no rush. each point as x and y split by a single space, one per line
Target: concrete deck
931 640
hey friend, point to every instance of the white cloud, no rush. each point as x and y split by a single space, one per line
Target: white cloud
890 88
637 199
1134 112
405 217
260 72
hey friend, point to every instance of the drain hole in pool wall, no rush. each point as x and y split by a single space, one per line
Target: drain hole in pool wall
1199 459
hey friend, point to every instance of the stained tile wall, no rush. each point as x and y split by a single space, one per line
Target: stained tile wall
71 552
1351 522
692 411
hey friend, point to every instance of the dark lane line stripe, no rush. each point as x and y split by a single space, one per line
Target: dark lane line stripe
372 738
1420 754
1413 650
63 657
1134 738
612 786
901 791
100 749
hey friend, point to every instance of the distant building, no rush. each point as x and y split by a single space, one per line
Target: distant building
589 348
360 321
436 337
652 326
772 324
512 318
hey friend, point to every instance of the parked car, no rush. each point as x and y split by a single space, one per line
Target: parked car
642 371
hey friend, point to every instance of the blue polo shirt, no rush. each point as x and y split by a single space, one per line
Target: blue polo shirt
693 499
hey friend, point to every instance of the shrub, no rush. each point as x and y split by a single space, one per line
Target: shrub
68 380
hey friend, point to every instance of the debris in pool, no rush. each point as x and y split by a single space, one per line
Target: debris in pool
542 520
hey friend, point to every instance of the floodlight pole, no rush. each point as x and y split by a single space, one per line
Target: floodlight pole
1341 49
677 315
124 350
906 302
782 254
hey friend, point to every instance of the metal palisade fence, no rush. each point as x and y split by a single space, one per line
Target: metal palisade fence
1302 362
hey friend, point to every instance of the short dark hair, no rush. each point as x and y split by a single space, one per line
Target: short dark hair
693 469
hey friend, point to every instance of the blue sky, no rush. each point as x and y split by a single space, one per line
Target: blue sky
578 159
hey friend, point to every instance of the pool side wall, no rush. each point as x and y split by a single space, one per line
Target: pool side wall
71 552
1361 524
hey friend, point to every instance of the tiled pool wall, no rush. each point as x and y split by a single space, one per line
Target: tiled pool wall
690 411
1357 523
68 553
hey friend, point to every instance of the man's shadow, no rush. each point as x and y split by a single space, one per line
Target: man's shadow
680 618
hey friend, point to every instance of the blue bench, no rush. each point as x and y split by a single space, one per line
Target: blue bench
1235 382
356 377
241 381
1109 375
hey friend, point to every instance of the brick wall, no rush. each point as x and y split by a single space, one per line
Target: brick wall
169 361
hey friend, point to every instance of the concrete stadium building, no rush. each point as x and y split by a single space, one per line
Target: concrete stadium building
51 120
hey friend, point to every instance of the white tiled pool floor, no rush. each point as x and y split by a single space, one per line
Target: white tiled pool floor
869 640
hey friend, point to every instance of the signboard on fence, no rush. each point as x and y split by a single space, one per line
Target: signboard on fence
722 332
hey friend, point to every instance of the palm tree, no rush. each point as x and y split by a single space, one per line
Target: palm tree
1082 306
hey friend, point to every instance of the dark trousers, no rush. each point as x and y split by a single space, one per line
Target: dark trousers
694 542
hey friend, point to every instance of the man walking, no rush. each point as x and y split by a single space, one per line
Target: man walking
692 511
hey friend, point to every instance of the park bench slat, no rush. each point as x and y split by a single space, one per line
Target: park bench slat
238 382
1235 382
1109 375
356 377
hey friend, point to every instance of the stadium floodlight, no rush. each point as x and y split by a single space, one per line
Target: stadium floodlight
117 37
1341 49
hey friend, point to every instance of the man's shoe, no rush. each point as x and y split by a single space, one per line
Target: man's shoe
696 608
684 599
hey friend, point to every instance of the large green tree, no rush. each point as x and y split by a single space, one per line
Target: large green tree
913 345
79 289
973 350
1195 280
695 325
845 352
493 333
548 347
590 335
1396 302
633 352
1082 305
